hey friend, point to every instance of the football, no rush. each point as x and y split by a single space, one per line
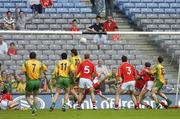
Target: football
83 40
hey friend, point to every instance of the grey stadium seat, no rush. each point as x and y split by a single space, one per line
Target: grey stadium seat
67 47
80 47
55 47
42 47
16 57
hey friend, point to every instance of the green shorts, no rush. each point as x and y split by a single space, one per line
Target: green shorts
63 82
158 84
32 85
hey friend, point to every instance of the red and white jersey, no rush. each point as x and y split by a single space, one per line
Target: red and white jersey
145 76
6 97
96 83
127 72
86 69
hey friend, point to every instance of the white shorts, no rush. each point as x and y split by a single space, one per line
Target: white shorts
85 83
128 86
4 104
149 85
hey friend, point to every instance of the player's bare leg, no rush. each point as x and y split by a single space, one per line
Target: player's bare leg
117 97
66 97
30 102
12 104
73 92
141 96
93 98
133 97
80 98
166 98
154 96
35 100
58 90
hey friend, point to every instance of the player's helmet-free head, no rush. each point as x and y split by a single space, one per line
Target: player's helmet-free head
124 58
160 59
147 64
74 52
86 56
64 55
32 55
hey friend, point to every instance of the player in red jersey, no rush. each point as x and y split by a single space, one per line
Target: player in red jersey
87 72
148 83
97 91
128 74
6 100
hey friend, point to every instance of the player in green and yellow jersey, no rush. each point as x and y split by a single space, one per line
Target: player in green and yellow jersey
32 68
75 60
111 79
159 82
62 76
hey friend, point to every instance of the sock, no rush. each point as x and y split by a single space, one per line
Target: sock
116 105
94 104
145 104
157 104
32 107
53 104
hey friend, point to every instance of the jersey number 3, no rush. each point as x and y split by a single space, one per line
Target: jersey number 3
128 70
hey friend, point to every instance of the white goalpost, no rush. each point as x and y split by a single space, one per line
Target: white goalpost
60 32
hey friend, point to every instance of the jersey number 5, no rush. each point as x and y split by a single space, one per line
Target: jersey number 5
86 69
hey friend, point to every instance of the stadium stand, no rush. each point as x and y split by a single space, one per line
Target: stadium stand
49 47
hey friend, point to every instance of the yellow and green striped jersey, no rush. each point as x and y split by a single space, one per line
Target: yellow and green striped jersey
32 69
62 68
75 61
158 71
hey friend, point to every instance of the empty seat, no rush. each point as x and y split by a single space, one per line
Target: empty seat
158 21
22 52
50 10
23 42
152 16
16 57
158 10
61 21
47 42
55 16
80 47
31 26
164 5
67 16
42 37
66 5
62 10
97 52
55 47
49 21
30 37
105 47
35 42
42 57
152 5
67 47
92 47
111 52
164 26
30 47
85 10
43 26
54 57
43 47
55 26
110 62
170 11
104 57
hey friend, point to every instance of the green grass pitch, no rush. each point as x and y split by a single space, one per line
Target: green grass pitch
93 114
